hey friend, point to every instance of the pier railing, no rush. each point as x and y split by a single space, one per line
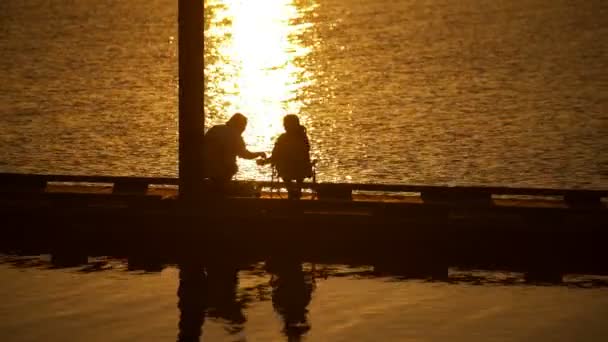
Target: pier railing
20 183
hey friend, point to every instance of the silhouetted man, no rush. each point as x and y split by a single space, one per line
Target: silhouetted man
222 144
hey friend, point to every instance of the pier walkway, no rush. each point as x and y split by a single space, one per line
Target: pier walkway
471 225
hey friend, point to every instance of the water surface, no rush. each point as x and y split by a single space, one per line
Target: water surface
435 92
121 300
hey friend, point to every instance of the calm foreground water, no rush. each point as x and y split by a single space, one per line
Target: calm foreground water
113 300
477 92
430 92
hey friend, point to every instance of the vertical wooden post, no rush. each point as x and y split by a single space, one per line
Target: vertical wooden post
191 111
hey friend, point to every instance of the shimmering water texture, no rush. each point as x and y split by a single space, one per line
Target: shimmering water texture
430 92
135 299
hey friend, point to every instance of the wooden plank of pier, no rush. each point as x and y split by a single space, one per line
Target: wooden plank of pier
167 187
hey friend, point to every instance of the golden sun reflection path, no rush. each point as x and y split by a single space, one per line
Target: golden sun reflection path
251 49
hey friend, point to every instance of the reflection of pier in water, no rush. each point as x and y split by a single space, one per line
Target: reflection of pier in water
210 291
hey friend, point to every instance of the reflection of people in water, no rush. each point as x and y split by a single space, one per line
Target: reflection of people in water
192 303
291 156
291 293
222 300
208 292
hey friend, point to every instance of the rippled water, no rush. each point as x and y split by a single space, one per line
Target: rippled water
125 300
434 92
393 91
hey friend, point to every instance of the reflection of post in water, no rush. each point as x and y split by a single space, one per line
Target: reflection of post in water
68 259
192 302
291 293
209 291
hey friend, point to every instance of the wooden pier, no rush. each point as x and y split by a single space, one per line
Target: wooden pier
471 225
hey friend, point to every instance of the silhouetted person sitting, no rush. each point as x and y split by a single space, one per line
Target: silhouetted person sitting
221 145
291 156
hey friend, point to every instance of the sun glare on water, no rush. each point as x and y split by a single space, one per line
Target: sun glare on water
250 67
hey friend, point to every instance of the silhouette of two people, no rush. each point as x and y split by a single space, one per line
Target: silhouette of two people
222 144
291 156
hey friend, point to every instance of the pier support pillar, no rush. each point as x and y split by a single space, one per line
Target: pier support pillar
191 110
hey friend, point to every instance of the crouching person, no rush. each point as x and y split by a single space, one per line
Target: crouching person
221 145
